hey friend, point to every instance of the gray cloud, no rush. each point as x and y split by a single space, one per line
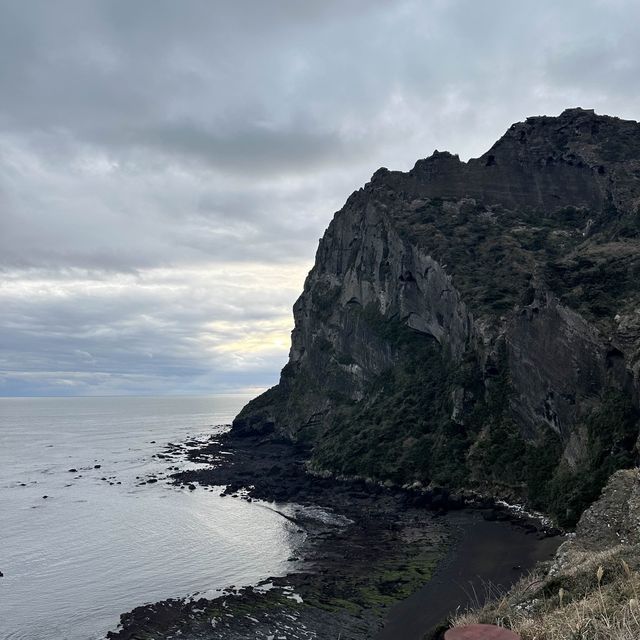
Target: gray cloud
161 162
165 328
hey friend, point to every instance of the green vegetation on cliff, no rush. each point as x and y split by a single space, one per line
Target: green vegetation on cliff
475 325
493 253
400 431
403 431
612 433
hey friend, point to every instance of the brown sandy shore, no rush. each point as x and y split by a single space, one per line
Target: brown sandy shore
391 564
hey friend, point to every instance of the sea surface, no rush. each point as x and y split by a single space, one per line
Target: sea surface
101 543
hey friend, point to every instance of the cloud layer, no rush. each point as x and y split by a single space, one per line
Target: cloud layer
167 168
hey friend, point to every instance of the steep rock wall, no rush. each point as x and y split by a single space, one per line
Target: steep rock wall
495 302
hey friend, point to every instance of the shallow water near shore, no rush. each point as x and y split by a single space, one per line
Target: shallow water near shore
101 543
106 541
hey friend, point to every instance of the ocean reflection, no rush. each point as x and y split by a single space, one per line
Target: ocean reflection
101 542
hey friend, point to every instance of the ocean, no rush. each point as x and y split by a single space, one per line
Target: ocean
102 543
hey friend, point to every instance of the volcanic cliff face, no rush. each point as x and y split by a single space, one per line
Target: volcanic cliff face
478 324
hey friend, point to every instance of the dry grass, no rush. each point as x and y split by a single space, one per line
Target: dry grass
582 596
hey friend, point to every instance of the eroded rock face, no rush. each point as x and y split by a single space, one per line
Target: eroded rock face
615 517
558 365
522 265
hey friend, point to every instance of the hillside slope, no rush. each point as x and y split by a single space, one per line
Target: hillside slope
477 324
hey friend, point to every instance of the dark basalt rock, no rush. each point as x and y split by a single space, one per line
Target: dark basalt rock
473 324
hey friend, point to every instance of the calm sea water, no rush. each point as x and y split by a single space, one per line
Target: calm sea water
91 550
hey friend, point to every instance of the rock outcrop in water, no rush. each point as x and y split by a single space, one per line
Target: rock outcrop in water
477 325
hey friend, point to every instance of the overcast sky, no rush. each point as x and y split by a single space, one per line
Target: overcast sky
167 167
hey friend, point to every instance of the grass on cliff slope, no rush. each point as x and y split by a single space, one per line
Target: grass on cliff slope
589 596
403 431
612 431
492 252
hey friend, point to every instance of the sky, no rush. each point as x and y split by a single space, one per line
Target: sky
167 168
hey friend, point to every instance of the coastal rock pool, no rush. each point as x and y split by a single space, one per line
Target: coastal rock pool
101 542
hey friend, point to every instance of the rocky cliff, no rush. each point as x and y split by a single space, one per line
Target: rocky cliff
477 325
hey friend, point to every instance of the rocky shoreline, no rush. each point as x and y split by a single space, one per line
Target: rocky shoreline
377 550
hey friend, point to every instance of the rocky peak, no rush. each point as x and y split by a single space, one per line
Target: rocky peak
576 159
577 137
